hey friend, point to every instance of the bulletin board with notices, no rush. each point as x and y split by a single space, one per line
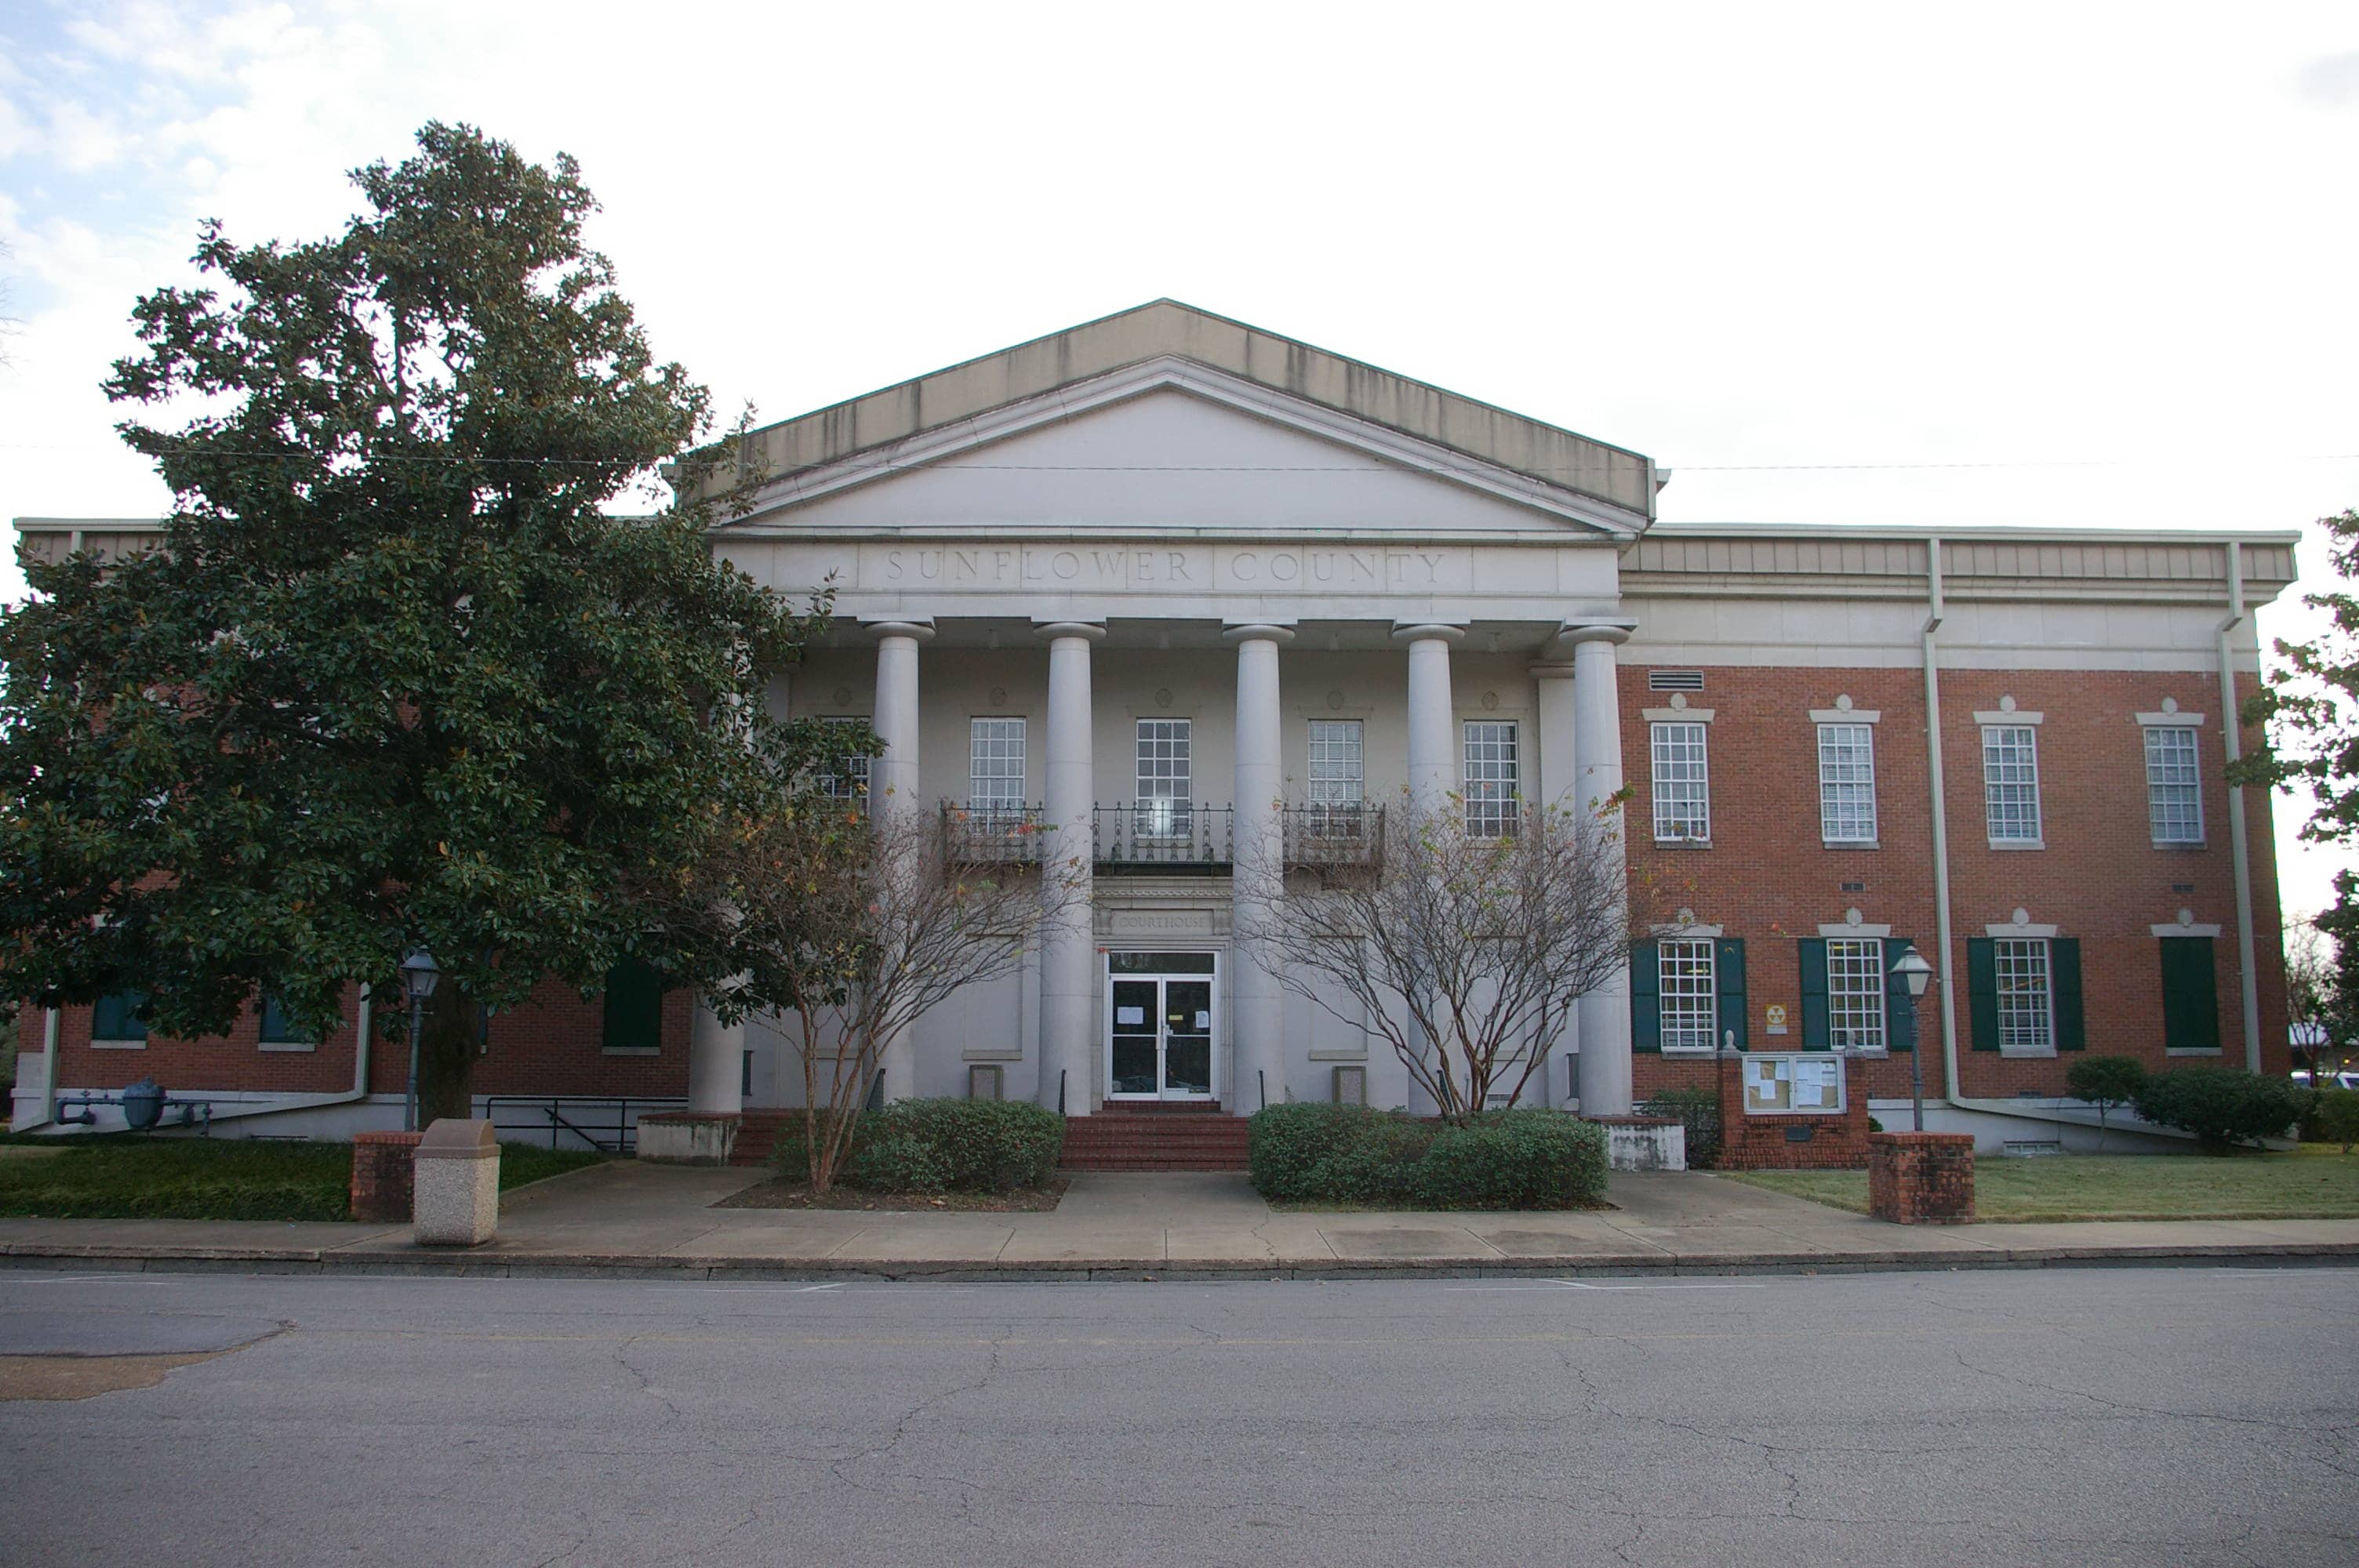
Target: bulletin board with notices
1793 1084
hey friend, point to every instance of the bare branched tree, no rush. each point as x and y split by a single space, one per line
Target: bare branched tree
852 925
1465 945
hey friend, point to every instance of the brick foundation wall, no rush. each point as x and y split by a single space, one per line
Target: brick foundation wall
1838 1140
1921 1178
1768 879
384 1174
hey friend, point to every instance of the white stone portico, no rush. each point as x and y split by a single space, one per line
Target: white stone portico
1165 544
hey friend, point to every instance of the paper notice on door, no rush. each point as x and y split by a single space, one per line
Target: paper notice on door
1203 1020
1130 1015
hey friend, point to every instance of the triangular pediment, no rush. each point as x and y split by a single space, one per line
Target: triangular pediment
1175 447
1203 383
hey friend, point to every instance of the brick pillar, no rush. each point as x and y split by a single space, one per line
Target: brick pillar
1921 1178
384 1169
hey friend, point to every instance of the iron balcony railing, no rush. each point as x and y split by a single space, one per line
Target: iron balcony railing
1162 833
1333 834
993 832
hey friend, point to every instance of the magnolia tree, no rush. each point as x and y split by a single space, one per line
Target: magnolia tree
851 925
1465 943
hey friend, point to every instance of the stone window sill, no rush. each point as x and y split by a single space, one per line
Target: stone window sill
118 1044
1682 843
630 1050
288 1045
2018 843
2191 1051
2043 1054
1852 843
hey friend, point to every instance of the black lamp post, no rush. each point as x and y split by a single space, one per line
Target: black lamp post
419 975
1915 974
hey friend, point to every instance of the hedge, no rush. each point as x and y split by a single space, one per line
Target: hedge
2221 1106
940 1145
1502 1159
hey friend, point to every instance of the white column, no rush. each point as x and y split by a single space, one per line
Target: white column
1605 1013
893 789
1256 1003
1432 714
1068 977
1559 774
717 1064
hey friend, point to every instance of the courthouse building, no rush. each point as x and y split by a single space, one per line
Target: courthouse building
1165 584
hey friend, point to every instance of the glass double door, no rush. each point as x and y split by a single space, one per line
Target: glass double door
1160 1044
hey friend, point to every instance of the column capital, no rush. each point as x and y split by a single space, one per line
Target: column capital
1575 632
1428 630
1275 632
1052 629
920 627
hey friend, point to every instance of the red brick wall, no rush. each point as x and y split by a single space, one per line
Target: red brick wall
549 1046
1768 879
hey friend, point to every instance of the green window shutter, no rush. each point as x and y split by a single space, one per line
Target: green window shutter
1645 997
1815 1034
1728 979
1982 991
2064 977
1899 1015
116 1016
2190 995
633 1007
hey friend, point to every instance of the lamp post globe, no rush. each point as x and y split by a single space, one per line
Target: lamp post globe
1915 974
419 976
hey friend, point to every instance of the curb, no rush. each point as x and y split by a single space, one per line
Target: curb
426 1263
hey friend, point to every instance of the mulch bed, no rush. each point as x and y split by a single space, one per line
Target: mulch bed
798 1195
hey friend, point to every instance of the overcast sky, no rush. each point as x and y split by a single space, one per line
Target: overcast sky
2102 257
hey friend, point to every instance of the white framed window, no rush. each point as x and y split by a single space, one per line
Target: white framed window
1167 779
1847 784
1337 775
2174 788
1856 993
2026 997
852 783
994 787
2011 783
1494 786
1682 774
1690 996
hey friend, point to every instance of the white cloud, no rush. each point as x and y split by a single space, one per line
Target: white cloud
2332 80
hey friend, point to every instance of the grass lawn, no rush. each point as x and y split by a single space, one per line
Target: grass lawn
128 1176
2315 1181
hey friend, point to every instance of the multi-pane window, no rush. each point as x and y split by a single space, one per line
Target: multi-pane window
1856 993
1338 779
116 1016
995 790
1690 1007
1847 784
2174 791
1493 795
1682 781
852 783
1166 781
278 1029
2027 1011
2011 783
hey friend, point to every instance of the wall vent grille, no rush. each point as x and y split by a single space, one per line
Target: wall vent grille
1674 680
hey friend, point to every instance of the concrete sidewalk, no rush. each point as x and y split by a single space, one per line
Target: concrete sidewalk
627 1218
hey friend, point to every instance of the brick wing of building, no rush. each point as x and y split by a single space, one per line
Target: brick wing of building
1166 581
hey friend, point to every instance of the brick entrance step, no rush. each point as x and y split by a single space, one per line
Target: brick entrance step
1156 1138
758 1136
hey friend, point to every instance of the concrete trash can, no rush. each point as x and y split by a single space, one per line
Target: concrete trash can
456 1199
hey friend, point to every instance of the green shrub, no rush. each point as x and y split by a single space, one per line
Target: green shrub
940 1145
1285 1142
1695 1106
2221 1106
1503 1159
2105 1081
2337 1113
1514 1159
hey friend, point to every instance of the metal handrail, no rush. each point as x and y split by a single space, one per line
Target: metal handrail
994 832
623 1129
1333 834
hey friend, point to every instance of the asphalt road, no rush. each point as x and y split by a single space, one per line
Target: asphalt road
2099 1416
